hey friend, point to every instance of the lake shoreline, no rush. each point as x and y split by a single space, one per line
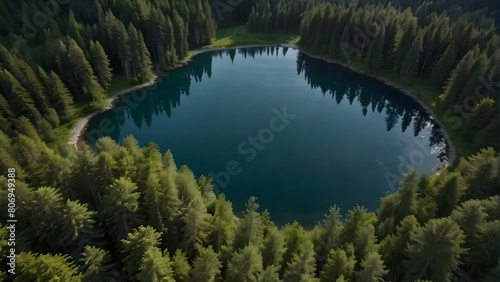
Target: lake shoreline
450 147
78 130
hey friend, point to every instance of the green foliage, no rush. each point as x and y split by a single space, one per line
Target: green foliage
245 265
339 264
206 266
136 245
302 265
32 267
249 228
372 268
155 266
96 264
119 205
180 266
434 251
100 62
441 227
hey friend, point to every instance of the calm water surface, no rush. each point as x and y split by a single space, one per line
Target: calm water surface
296 132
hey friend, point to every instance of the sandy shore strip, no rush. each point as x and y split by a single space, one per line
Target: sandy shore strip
80 127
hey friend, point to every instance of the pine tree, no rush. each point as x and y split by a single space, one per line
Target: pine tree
18 97
339 264
407 196
155 266
273 248
392 247
449 194
135 246
410 62
270 274
28 79
84 78
196 222
206 266
358 229
443 67
180 266
101 64
482 114
222 227
59 95
249 228
434 251
151 199
245 265
481 174
328 235
77 225
119 205
96 264
45 267
372 268
295 237
302 266
404 42
6 114
375 56
180 36
45 209
459 76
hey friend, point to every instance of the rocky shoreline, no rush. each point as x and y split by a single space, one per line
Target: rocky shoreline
78 130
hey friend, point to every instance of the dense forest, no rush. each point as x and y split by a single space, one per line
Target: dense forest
119 212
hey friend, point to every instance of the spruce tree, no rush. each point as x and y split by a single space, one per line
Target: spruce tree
372 268
206 266
45 267
101 64
135 246
410 61
180 266
339 264
96 264
83 75
443 67
245 265
302 266
119 205
155 266
434 251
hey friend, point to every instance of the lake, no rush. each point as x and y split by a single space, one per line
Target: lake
297 132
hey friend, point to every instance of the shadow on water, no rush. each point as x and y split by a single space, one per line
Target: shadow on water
333 80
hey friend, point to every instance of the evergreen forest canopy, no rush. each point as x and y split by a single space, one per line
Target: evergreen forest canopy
127 213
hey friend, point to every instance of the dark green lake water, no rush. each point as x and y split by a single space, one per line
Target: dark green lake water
298 133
